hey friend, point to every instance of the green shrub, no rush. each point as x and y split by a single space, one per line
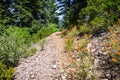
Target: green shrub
46 31
1 28
29 52
84 29
101 13
42 43
73 32
13 44
98 25
6 73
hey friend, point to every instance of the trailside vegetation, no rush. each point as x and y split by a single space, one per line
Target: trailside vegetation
23 22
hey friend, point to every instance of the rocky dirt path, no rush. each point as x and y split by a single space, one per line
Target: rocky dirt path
44 65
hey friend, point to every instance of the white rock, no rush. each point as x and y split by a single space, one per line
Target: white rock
32 76
96 62
63 77
54 66
104 53
93 50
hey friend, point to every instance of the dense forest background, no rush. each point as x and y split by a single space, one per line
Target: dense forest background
24 22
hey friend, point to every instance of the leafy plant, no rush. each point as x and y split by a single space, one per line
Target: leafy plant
98 25
42 43
73 31
13 44
84 29
6 73
46 31
100 12
29 53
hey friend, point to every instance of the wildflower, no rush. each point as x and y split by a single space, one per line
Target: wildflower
90 48
72 60
68 37
66 50
118 53
83 49
70 71
113 36
85 35
111 31
111 44
78 48
114 60
116 25
63 64
65 42
115 40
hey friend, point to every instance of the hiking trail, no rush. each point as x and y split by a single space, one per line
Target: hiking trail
44 65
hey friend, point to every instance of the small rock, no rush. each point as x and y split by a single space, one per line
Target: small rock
105 79
96 62
69 77
54 66
93 50
32 76
103 49
63 77
104 53
108 76
78 60
100 52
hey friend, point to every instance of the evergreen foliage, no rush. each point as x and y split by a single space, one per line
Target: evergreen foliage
13 44
26 12
72 12
96 13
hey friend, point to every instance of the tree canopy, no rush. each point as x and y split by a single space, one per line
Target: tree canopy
26 12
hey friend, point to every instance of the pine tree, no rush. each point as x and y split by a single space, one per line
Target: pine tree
26 12
72 12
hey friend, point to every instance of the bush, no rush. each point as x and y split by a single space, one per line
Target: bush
84 29
101 13
46 31
98 25
6 73
29 52
13 44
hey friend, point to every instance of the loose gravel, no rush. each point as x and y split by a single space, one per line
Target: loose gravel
44 65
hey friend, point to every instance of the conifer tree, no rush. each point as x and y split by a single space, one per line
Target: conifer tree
26 12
